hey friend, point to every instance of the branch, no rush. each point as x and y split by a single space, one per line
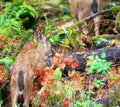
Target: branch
96 14
80 22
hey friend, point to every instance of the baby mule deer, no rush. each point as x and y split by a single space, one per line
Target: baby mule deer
83 8
23 69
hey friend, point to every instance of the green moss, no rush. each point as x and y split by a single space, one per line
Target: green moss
118 22
115 10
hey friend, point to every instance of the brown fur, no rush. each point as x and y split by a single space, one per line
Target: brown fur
82 8
26 62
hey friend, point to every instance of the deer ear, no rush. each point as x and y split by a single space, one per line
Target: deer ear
39 38
42 37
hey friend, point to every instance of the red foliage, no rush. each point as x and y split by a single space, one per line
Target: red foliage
2 75
45 94
42 105
3 78
65 102
71 62
45 76
40 73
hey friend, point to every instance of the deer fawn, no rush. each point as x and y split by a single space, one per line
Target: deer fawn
23 69
83 8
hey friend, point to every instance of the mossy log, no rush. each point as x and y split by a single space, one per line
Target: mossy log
112 53
105 40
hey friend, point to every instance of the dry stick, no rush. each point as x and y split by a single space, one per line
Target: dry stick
81 22
96 14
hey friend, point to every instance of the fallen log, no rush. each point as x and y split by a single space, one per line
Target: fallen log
112 54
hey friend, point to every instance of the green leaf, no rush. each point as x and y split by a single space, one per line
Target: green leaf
103 55
98 105
112 76
57 74
90 57
68 91
91 70
97 57
59 86
5 51
103 61
109 64
7 61
99 70
104 73
97 85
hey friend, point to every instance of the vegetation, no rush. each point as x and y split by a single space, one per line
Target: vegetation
117 22
58 94
21 20
100 65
